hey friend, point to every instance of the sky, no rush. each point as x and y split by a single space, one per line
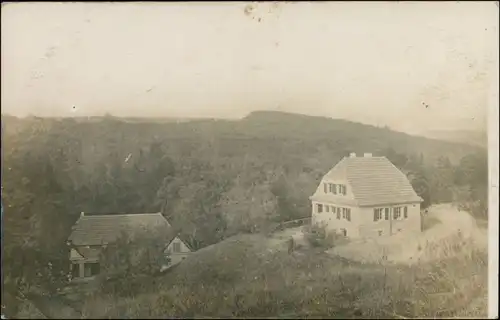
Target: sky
408 65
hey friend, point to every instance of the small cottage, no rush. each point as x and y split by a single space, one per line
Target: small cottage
92 232
366 197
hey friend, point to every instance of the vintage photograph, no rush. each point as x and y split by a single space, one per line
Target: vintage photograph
278 159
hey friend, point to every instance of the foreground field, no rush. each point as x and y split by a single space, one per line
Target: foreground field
243 277
256 276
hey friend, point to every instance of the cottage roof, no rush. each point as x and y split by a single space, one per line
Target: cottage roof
374 181
102 229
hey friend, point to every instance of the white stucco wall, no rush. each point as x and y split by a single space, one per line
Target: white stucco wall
331 221
362 224
370 228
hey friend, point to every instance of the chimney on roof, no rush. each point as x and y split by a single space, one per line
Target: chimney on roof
367 155
352 155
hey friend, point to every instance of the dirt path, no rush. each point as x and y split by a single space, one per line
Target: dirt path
279 238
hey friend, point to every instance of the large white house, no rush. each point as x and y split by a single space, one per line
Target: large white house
366 197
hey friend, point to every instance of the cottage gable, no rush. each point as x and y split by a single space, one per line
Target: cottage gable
177 246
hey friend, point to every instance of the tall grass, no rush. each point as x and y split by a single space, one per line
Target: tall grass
241 279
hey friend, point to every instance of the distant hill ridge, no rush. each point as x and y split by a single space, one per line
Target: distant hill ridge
476 138
294 134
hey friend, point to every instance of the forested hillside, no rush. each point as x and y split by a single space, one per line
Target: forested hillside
211 178
475 138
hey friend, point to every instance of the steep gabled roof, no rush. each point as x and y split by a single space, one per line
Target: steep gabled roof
374 181
102 229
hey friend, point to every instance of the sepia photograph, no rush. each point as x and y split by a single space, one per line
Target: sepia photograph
272 159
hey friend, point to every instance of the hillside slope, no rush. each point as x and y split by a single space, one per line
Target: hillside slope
242 277
213 179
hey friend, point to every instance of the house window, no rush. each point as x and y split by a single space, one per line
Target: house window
397 213
338 213
334 188
348 214
327 208
320 208
405 212
386 213
343 213
377 214
330 187
177 247
325 187
342 189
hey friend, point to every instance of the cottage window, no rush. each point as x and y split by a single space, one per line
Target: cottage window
177 247
91 269
348 214
327 208
95 268
338 213
405 212
330 187
334 188
386 213
325 187
343 213
320 208
75 270
377 214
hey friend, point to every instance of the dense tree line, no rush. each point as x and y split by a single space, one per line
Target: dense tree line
465 183
211 179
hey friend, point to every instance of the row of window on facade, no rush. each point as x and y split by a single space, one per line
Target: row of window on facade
335 188
377 213
345 213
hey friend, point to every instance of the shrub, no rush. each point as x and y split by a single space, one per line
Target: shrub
319 237
127 262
